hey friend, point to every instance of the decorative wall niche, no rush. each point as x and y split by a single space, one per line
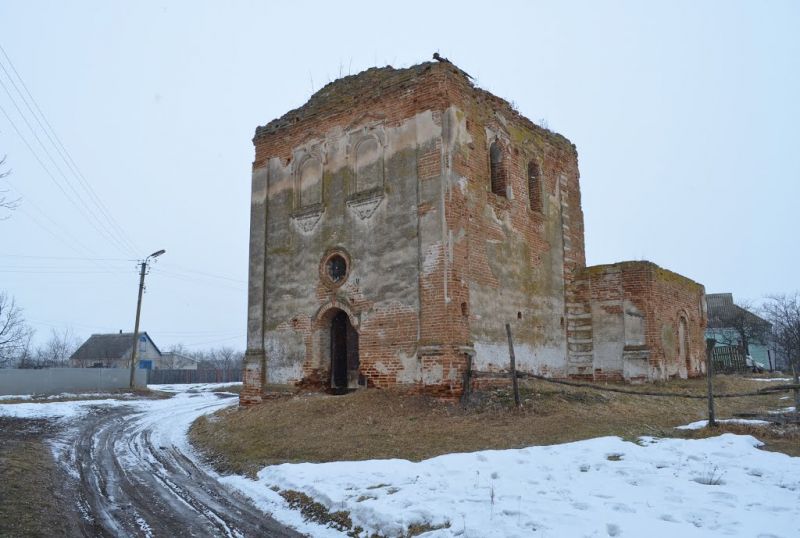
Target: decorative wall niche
308 187
309 182
366 154
368 164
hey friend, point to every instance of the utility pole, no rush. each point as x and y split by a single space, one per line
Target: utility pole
135 348
710 344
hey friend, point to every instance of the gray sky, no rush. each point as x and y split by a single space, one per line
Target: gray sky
685 115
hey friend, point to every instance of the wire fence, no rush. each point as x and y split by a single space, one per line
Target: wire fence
722 358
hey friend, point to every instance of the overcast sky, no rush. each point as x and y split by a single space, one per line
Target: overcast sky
685 115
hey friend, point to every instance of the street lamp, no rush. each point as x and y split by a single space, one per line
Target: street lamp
139 311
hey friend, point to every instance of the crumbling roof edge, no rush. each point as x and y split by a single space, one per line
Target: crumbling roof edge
448 68
641 263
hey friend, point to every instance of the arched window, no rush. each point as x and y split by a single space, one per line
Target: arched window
369 168
498 171
310 182
683 342
534 186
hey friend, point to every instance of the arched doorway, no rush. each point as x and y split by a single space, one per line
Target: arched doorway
683 345
344 352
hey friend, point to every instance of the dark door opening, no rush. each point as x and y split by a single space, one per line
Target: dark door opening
344 352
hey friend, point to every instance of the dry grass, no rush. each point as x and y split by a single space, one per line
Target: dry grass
32 500
386 424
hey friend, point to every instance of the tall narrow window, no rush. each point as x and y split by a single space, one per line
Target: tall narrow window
310 182
683 343
498 173
534 186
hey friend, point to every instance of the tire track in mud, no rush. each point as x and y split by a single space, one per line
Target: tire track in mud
133 482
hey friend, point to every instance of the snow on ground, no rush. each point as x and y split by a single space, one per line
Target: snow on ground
16 397
599 487
783 410
700 424
195 387
767 379
43 397
60 410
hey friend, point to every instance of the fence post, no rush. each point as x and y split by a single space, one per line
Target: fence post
514 382
467 380
710 343
796 375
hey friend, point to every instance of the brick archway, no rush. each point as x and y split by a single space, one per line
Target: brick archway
335 347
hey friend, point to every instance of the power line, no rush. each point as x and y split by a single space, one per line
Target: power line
75 243
75 258
49 173
60 272
196 280
216 341
89 214
64 153
72 242
210 275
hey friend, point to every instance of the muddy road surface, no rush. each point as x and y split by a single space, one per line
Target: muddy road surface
134 475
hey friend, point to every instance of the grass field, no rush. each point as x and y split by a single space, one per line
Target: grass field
369 424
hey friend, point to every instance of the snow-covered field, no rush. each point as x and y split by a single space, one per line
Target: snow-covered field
720 486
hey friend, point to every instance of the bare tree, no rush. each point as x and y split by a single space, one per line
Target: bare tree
221 358
14 332
55 352
784 313
174 357
227 358
5 202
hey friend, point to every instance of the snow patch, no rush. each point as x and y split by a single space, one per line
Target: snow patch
768 379
700 424
56 410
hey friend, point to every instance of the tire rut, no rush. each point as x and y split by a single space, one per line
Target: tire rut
129 486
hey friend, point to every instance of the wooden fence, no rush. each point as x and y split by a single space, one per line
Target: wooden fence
728 360
176 377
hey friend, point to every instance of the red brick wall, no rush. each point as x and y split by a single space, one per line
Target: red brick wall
662 297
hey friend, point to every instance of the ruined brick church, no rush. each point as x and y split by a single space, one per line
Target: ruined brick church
401 217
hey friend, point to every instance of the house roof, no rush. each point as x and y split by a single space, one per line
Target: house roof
108 346
722 309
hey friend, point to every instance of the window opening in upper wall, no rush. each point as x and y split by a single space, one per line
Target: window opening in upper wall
498 169
534 186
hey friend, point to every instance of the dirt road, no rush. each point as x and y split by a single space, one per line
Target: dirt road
133 477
